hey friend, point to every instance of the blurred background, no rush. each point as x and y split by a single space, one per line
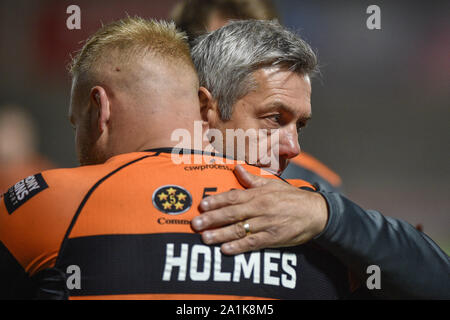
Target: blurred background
381 106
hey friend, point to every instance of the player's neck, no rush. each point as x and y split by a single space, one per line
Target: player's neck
188 136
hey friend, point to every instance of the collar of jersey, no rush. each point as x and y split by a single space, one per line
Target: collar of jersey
193 151
185 151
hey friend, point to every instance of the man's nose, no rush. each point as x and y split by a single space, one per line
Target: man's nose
289 146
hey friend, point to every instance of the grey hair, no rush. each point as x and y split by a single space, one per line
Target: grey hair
225 59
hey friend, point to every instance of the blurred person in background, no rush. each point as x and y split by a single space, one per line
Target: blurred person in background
197 17
19 157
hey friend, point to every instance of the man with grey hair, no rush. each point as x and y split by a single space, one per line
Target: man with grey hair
256 75
267 60
197 17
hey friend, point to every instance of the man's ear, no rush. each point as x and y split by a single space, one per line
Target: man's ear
101 107
209 108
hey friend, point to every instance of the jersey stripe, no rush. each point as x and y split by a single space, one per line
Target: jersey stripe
86 198
177 263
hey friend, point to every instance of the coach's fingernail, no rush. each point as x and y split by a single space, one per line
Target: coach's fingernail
207 237
204 205
227 247
197 223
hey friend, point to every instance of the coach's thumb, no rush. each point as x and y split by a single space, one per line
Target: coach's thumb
248 180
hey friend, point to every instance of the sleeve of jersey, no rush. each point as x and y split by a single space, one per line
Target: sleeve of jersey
14 281
21 234
412 266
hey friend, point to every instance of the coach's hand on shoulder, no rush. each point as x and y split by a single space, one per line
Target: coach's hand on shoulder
269 213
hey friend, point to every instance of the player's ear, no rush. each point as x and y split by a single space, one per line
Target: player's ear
209 108
101 107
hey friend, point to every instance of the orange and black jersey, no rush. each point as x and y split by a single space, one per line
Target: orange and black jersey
122 230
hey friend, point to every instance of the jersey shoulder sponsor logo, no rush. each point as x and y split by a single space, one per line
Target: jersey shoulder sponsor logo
172 199
23 191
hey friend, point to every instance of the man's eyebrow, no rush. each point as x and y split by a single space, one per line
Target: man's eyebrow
303 120
279 105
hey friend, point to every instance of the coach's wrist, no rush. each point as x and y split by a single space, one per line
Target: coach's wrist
320 214
332 219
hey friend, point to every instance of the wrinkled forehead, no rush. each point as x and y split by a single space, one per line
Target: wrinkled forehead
278 89
282 76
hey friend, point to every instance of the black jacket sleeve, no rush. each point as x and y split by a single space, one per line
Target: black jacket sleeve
15 283
412 265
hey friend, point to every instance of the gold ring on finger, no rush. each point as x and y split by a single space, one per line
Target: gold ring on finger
247 228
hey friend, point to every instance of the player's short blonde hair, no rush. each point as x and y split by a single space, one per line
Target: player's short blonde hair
131 38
